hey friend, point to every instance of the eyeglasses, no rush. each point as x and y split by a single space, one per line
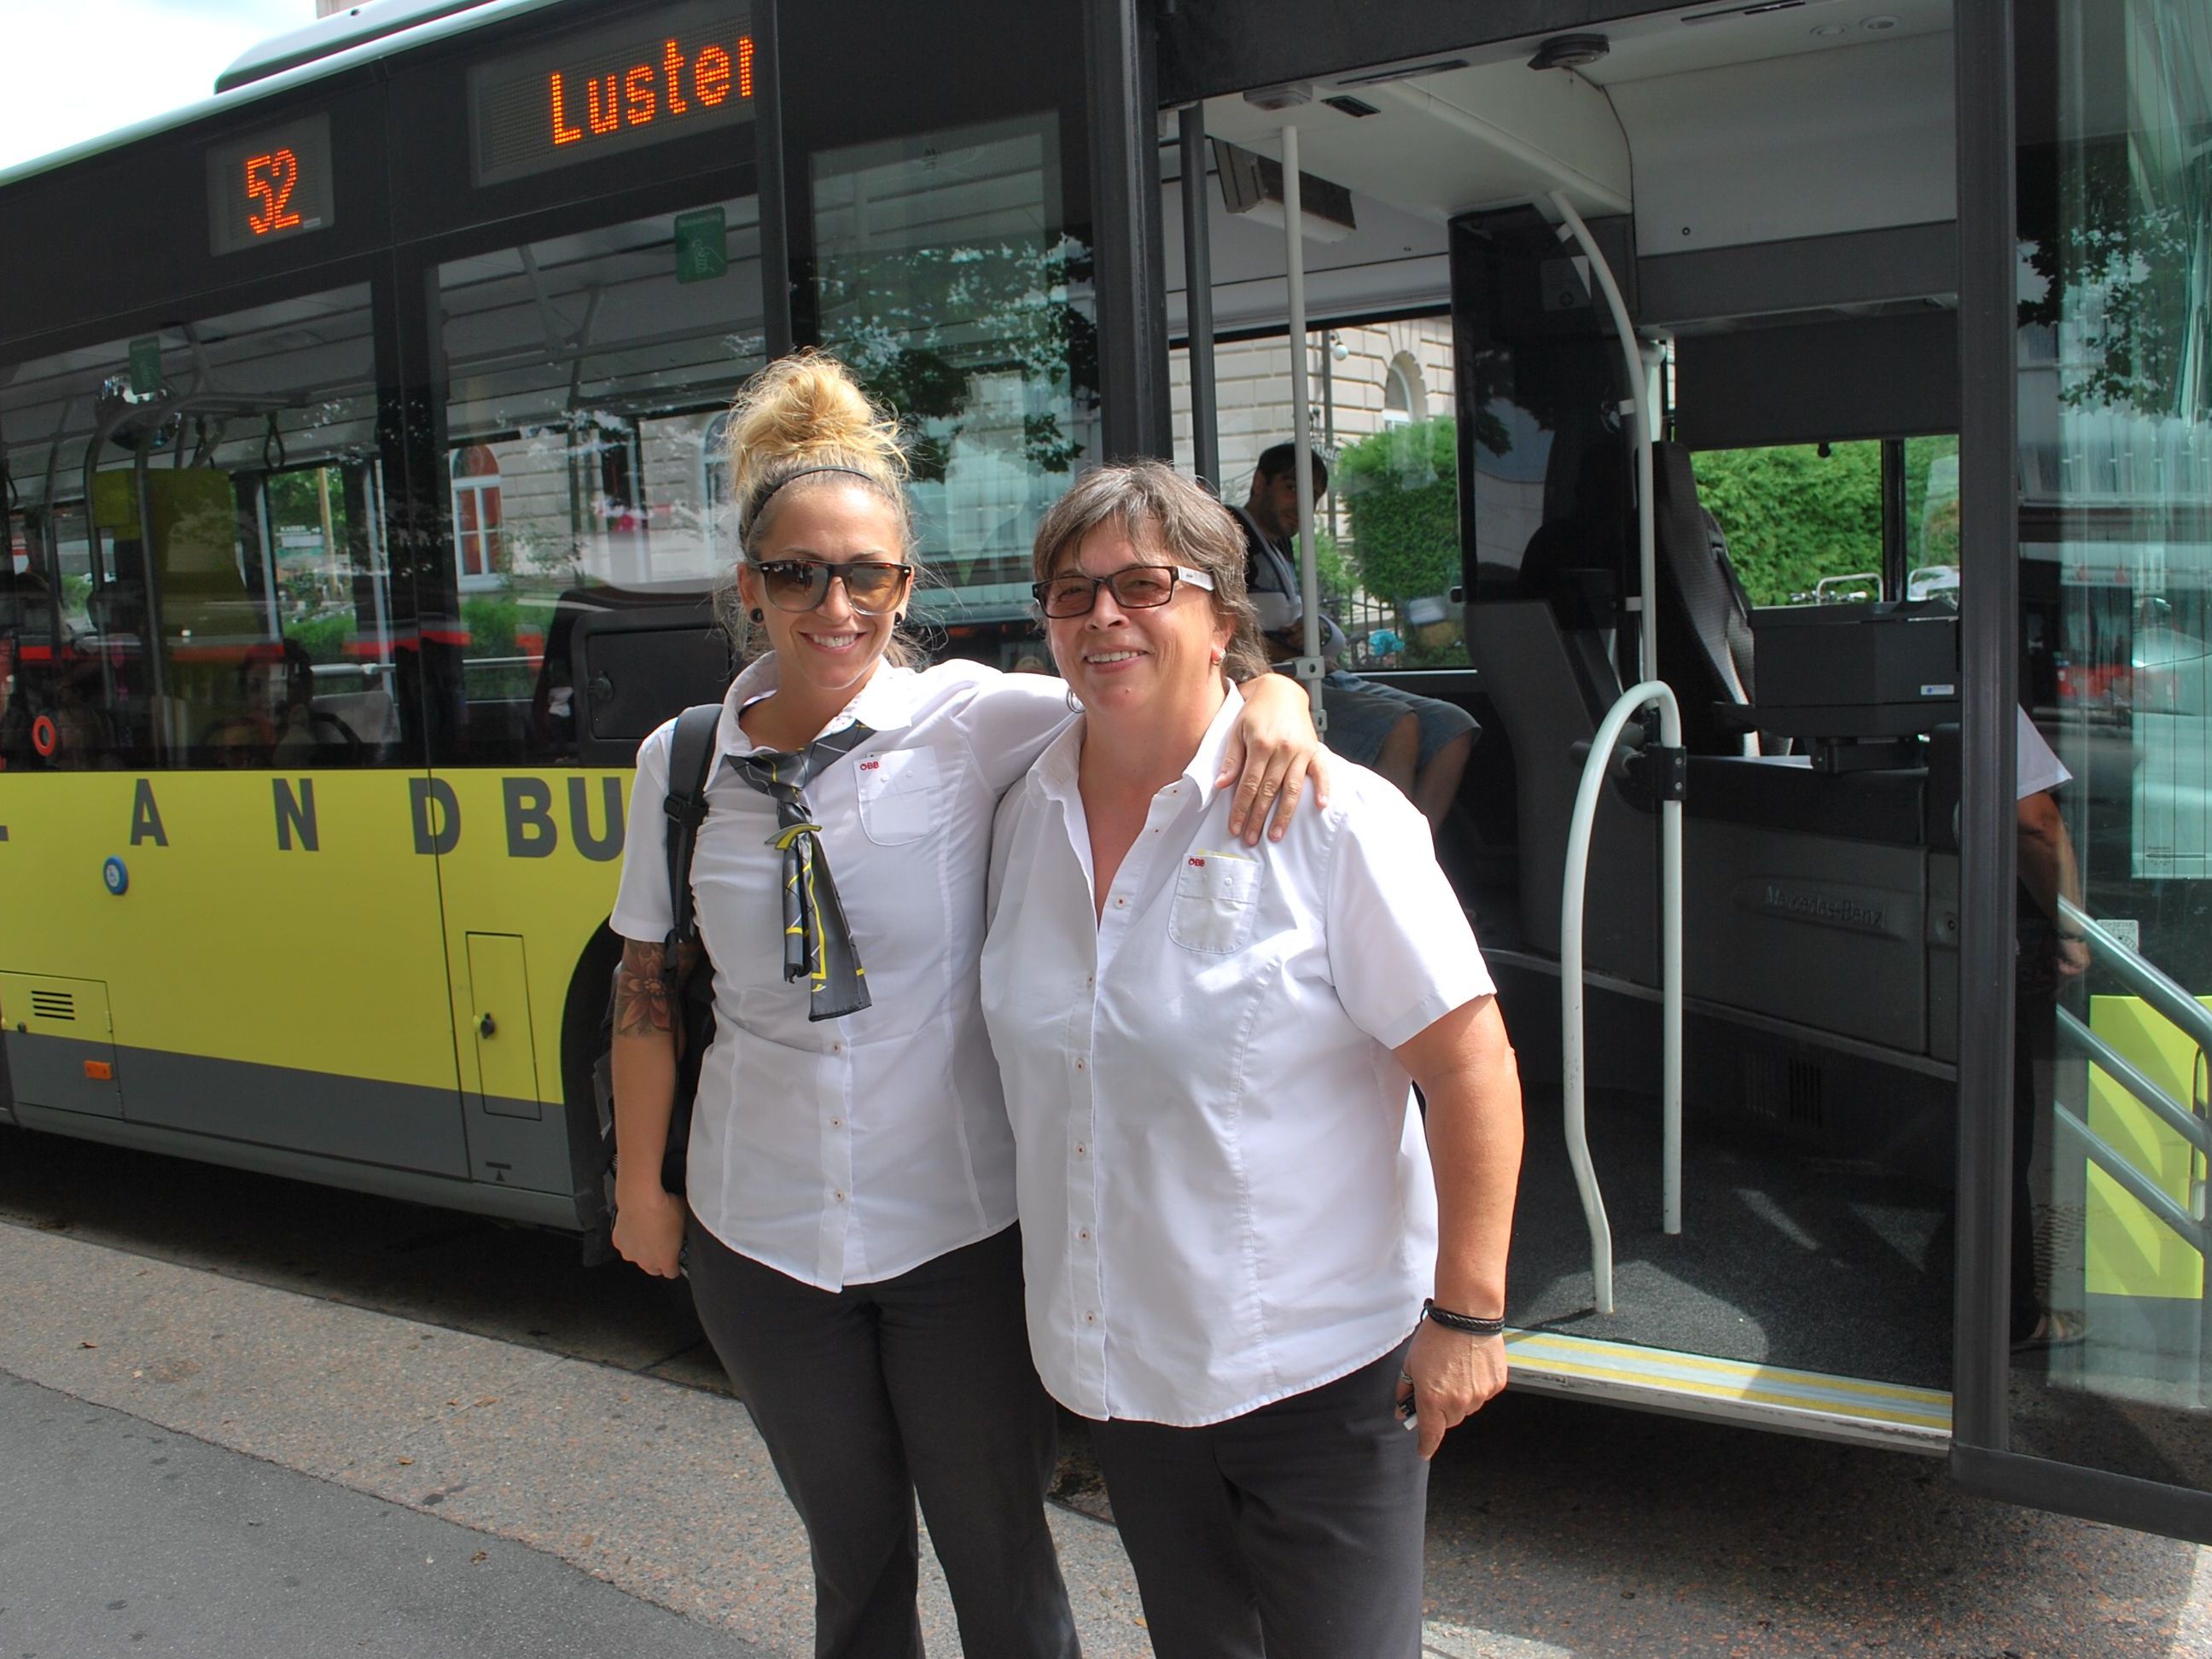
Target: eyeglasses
1136 588
873 589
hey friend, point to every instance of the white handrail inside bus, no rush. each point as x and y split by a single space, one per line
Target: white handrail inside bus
1637 408
1308 665
1670 979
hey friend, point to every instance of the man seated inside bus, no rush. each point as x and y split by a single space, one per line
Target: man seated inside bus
1420 743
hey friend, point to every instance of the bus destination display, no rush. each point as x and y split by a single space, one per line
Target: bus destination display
599 92
272 185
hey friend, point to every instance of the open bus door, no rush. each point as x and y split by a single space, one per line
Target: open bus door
1791 247
2086 266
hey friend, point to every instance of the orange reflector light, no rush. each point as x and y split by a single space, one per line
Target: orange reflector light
100 1071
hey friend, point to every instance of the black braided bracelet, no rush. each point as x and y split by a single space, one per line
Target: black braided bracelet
1459 1322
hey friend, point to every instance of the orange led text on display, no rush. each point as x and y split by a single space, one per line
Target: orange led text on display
269 186
648 94
271 180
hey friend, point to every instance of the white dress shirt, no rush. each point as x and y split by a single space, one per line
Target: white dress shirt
1225 1191
852 1150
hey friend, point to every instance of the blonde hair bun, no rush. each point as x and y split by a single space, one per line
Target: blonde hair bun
803 411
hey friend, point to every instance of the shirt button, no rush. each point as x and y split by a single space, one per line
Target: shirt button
1090 1319
1119 902
1081 1151
1083 1233
1078 1065
840 1196
836 1122
836 1047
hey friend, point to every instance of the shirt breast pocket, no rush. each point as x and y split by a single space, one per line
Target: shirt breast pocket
901 795
1215 897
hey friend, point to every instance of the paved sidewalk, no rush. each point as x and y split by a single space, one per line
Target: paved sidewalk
118 1537
662 1491
1555 1531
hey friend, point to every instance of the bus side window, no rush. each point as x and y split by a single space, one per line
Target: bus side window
210 578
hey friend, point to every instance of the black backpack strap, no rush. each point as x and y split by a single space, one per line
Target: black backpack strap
692 752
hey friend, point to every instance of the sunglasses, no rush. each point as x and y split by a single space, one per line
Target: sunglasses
873 589
1136 588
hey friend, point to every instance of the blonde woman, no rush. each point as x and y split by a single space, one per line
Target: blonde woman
850 1228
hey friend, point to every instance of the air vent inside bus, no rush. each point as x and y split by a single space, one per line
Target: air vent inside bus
53 1005
1784 1090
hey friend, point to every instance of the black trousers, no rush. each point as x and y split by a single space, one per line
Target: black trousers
1292 1532
869 1395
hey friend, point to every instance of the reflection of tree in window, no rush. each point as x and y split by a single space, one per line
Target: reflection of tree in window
2119 253
479 544
921 322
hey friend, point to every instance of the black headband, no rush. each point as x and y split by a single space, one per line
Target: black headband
753 517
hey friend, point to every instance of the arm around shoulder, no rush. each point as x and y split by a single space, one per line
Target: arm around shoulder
1270 755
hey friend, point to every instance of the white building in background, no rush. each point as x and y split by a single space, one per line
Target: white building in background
1387 373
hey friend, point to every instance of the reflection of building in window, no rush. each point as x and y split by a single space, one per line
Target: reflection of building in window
618 508
1404 397
479 537
711 489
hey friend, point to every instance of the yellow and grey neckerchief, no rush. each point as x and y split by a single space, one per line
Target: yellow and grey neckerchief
818 942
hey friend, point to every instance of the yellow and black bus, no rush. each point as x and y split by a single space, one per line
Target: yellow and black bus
358 455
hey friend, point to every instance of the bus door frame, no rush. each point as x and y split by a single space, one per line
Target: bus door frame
1982 1459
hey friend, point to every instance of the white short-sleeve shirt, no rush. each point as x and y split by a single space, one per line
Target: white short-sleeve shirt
1225 1190
2036 763
847 1150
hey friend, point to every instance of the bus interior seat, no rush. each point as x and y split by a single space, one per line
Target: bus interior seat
1543 680
1705 616
371 715
1786 872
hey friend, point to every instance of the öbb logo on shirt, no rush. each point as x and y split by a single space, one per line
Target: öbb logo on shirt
869 765
1196 864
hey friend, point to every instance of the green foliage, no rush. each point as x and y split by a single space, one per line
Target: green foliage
1338 577
1939 542
292 501
324 636
1401 487
1792 516
491 620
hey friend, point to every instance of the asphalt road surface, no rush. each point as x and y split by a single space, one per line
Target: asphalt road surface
245 1416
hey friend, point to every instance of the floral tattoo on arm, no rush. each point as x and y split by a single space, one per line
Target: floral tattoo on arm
642 1004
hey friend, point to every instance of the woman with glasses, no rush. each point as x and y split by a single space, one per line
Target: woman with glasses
850 1238
1247 1265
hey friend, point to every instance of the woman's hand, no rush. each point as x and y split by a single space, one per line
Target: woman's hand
1455 1375
649 1229
1271 751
